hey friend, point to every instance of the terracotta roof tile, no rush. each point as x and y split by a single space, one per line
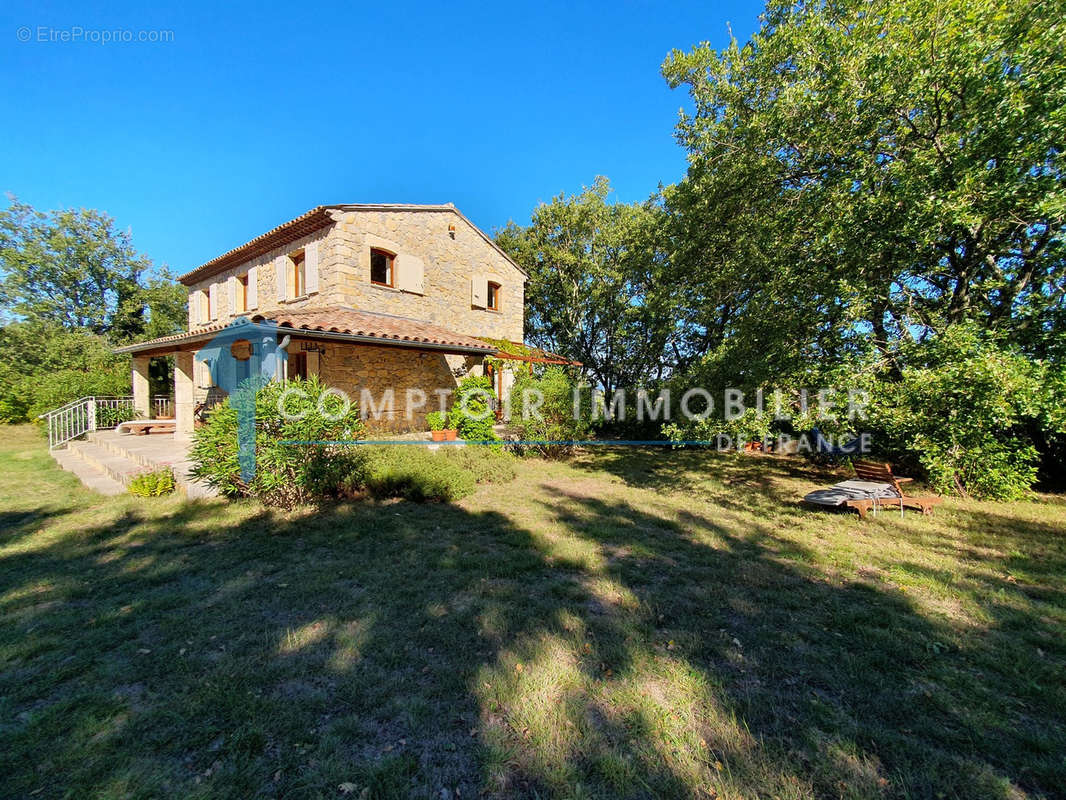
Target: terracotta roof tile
338 319
342 321
309 222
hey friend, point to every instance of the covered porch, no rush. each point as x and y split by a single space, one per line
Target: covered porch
365 354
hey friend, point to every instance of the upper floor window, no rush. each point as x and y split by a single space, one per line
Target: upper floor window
381 267
297 277
492 296
209 304
240 296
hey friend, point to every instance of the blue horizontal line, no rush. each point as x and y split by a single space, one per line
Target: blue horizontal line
572 442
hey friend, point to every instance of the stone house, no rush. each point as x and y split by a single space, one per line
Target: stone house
370 298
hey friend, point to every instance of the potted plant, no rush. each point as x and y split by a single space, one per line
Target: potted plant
435 420
452 433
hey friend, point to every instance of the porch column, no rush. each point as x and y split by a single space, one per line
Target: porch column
184 404
142 403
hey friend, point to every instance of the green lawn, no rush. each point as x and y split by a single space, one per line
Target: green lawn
658 624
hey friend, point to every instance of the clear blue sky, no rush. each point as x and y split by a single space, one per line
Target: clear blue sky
255 113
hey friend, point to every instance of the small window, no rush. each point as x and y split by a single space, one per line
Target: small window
493 296
206 306
381 267
241 295
297 275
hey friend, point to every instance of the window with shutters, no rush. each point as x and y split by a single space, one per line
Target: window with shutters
240 296
492 296
205 307
297 278
381 267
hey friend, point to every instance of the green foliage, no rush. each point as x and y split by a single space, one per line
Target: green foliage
863 174
435 420
152 484
74 268
413 473
74 286
554 421
44 366
866 182
751 426
471 414
485 464
599 289
964 408
286 474
112 416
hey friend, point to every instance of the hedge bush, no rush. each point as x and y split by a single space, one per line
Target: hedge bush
415 473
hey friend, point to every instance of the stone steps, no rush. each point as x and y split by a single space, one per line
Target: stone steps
89 475
107 462
117 467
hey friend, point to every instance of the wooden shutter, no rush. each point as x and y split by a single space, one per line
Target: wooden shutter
281 278
232 282
253 289
212 302
311 268
410 273
194 309
479 285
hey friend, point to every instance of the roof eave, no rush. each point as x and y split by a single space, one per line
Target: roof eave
305 333
311 221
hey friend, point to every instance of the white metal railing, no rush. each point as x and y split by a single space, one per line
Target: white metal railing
162 407
85 414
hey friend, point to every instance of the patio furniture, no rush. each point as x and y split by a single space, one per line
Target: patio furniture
874 488
144 427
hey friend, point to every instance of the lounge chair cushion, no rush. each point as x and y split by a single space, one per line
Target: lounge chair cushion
840 493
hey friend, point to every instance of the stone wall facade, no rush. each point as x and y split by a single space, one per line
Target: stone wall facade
451 250
388 373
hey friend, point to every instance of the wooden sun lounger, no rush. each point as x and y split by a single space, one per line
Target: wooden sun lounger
877 472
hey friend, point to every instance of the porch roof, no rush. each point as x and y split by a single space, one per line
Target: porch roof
337 323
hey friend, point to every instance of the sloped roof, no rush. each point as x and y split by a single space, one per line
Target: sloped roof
309 222
342 324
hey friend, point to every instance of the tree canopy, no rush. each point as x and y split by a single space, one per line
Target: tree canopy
72 287
876 172
875 197
72 267
599 289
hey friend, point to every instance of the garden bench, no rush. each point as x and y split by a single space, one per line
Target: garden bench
144 427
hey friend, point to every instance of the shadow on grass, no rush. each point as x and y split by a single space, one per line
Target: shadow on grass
605 651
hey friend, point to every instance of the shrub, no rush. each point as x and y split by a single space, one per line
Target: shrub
554 421
472 414
413 473
961 409
486 464
286 474
435 420
152 484
44 366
